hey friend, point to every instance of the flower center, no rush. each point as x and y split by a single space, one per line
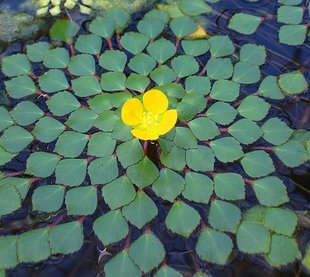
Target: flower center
149 120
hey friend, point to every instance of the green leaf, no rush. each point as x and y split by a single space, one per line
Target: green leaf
10 199
88 44
198 84
255 215
14 65
47 129
53 80
140 211
292 153
200 159
64 30
5 157
136 152
246 110
71 172
226 149
293 83
184 138
33 246
150 173
283 251
194 8
119 98
276 131
281 221
82 120
270 191
137 82
81 201
103 27
245 73
245 131
103 170
224 90
71 144
140 253
166 271
257 164
229 186
198 187
203 128
184 66
8 255
83 64
121 265
85 86
41 164
293 34
20 86
21 184
175 159
243 23
121 132
142 64
5 119
195 47
62 103
290 2
101 144
253 238
56 58
182 219
119 193
221 46
66 238
14 139
134 42
48 198
269 88
253 54
168 185
36 51
111 227
151 27
161 50
25 113
222 113
182 26
290 15
101 104
113 81
214 247
158 14
113 60
163 75
120 16
224 216
219 68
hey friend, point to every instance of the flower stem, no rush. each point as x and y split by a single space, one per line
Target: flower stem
145 145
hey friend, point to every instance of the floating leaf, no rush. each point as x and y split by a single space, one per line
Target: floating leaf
21 184
257 163
20 86
101 104
140 211
203 128
226 149
200 159
197 84
81 120
36 51
136 152
26 113
253 54
229 186
137 82
276 131
221 113
166 271
293 34
48 198
194 8
158 14
56 58
184 138
62 103
245 131
134 42
198 187
224 216
269 88
168 185
103 27
64 30
253 238
173 90
41 164
86 86
88 44
101 144
86 195
111 227
5 157
195 47
53 80
245 73
71 172
184 65
5 119
246 108
142 64
140 253
113 81
161 50
175 159
103 170
83 64
163 75
151 27
15 65
8 255
293 83
270 191
219 68
182 26
113 60
10 199
214 247
182 219
243 23
224 90
290 2
221 46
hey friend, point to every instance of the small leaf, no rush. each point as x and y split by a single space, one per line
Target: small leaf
200 159
293 34
161 50
113 81
175 159
14 65
163 75
141 255
5 157
21 184
184 66
224 216
85 86
142 64
151 27
221 46
184 138
290 15
245 131
276 131
88 44
111 227
229 186
140 211
224 90
8 255
222 113
166 271
136 152
81 201
113 60
5 119
293 83
137 82
82 120
226 149
245 73
64 30
195 47
47 129
270 191
198 84
71 172
41 164
182 26
101 144
10 199
194 8
20 86
103 170
53 80
214 247
101 104
257 164
56 58
103 27
246 108
243 23
219 68
62 103
26 113
83 64
269 88
204 128
253 54
36 51
168 185
134 42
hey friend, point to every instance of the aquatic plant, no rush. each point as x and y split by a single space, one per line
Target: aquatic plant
82 160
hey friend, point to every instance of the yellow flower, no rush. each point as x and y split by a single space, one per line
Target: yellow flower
151 119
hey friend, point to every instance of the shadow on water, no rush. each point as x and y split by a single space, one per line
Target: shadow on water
180 254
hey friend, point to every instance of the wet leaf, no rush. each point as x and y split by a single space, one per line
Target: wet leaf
253 54
257 164
182 26
88 44
103 170
219 68
103 27
56 58
276 131
200 159
194 8
26 113
10 200
64 30
71 172
15 65
151 27
41 164
113 60
293 83
184 66
229 186
224 90
293 34
246 108
53 80
221 46
245 131
83 64
243 23
8 255
134 42
5 119
161 50
195 47
20 86
36 51
226 149
142 64
269 88
113 81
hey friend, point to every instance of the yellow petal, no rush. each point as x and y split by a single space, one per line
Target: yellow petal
198 34
155 101
145 134
167 122
132 112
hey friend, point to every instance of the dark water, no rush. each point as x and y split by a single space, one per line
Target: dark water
180 254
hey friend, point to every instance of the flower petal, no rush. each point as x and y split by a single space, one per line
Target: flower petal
167 122
132 112
148 134
155 101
